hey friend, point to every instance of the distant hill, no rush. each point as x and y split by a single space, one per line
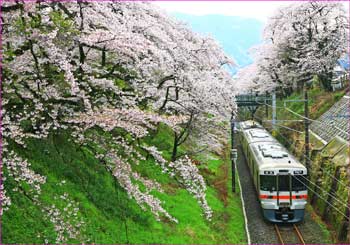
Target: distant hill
235 34
345 63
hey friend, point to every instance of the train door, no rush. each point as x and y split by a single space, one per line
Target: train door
284 186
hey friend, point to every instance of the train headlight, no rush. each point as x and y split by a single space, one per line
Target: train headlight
298 172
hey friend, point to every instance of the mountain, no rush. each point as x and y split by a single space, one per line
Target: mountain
345 63
235 34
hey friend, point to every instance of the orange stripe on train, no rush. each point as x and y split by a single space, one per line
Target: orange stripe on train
283 197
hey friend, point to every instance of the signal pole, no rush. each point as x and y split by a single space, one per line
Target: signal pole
306 123
273 110
233 167
266 106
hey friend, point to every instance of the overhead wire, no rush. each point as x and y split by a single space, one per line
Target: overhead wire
282 126
291 129
345 205
309 119
339 201
335 208
299 115
325 191
339 181
290 143
312 120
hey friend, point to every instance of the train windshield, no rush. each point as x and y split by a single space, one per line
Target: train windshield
299 182
268 182
283 183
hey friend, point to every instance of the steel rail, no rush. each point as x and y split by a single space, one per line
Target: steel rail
297 231
279 234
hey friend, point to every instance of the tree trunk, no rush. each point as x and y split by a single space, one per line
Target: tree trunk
174 153
103 61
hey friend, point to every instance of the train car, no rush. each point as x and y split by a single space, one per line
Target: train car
279 178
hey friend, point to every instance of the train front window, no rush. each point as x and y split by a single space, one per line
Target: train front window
283 182
268 182
298 182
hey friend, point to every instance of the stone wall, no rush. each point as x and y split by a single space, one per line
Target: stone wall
334 122
330 186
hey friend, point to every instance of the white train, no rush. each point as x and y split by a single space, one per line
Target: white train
278 177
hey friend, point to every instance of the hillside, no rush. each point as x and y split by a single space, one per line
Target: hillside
109 215
114 128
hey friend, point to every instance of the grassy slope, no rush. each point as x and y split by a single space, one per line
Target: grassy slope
110 216
319 102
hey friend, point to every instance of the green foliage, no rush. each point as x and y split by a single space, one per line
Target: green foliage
64 25
326 234
319 102
35 21
20 26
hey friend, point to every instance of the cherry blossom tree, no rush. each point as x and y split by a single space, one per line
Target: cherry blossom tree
88 66
300 41
310 38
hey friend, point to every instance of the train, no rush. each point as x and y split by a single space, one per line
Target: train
278 177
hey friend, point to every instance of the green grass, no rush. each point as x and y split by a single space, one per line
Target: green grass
322 227
110 216
319 102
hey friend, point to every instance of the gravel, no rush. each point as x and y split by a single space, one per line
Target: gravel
264 232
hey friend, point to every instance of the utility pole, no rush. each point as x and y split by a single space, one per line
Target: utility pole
233 155
306 126
348 208
306 123
266 106
273 110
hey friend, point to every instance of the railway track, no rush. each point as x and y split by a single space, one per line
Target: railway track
285 236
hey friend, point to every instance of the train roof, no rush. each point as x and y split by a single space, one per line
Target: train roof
254 132
249 124
268 152
270 155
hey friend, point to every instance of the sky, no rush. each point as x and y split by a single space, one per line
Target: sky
251 9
